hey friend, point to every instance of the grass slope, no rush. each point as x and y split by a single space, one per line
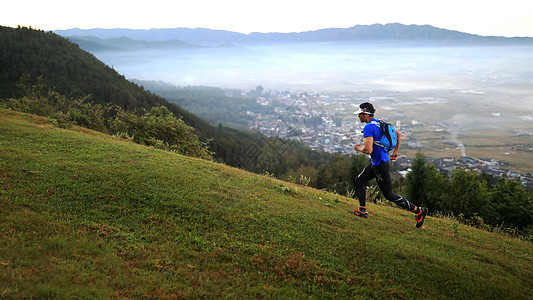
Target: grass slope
86 215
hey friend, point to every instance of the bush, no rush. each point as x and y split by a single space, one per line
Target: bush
159 128
61 110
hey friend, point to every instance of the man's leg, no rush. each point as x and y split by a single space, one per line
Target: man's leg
385 184
360 188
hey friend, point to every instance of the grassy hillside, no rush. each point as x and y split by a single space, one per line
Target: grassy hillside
86 215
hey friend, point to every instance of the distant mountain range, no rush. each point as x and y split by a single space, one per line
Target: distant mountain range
92 43
187 37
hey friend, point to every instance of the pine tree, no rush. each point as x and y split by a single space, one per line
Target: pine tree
416 181
467 195
437 187
510 205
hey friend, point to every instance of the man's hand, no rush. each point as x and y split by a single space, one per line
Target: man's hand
358 147
394 155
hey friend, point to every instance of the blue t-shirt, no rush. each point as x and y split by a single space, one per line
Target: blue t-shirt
379 155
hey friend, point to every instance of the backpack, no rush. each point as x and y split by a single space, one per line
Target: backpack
388 135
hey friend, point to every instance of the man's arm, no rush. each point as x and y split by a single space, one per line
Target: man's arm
367 145
394 154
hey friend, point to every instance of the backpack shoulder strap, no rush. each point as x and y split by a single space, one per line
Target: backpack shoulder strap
375 122
380 124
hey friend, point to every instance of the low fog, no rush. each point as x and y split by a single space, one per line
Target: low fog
330 66
479 81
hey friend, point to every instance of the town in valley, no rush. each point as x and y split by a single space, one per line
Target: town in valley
326 122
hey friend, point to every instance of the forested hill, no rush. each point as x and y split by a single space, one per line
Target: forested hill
65 67
76 73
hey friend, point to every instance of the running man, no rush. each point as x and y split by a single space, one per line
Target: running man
379 168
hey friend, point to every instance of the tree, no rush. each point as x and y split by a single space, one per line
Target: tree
467 194
416 181
510 205
257 92
437 187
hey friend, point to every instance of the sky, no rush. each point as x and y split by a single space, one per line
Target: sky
508 18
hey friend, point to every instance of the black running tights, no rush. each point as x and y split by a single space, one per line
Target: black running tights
382 174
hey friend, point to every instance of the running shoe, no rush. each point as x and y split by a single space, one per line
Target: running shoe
359 213
421 216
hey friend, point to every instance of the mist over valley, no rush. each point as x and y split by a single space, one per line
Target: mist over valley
476 96
330 66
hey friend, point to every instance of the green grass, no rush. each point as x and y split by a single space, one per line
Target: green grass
85 215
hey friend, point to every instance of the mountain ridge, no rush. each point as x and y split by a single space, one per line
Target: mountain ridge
93 43
211 37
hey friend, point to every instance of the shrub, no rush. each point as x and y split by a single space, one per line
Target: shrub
159 128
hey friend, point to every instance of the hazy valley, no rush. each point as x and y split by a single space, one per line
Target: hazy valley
482 95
